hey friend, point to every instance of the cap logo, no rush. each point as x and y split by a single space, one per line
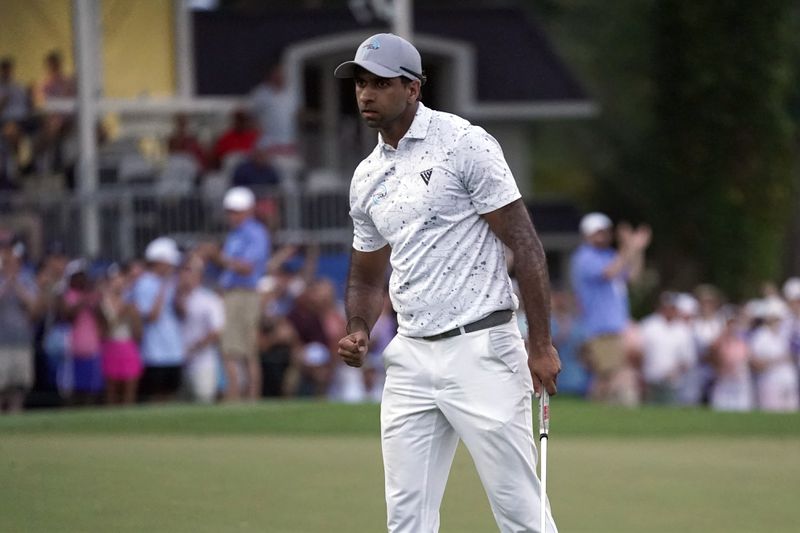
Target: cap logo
374 44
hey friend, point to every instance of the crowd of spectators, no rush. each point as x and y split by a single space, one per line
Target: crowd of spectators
259 147
32 140
210 322
695 348
244 319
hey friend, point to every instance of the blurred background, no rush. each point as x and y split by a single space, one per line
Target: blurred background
123 122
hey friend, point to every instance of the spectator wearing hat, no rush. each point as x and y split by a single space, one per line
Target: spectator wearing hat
18 306
162 348
668 351
599 277
691 383
243 259
776 373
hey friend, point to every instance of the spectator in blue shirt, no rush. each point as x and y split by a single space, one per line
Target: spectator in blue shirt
18 307
162 347
599 279
243 259
256 170
568 338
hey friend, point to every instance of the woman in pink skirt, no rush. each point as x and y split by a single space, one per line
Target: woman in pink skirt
122 364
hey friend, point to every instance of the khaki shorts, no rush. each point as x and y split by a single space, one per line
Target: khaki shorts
606 355
16 368
240 335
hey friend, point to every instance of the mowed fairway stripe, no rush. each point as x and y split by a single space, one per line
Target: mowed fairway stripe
310 484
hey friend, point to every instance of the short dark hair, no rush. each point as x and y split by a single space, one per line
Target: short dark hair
54 56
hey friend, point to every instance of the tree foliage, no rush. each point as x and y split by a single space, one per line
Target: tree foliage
721 191
696 133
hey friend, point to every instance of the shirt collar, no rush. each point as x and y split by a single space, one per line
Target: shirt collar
418 128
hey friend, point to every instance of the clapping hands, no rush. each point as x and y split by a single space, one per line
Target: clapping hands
634 239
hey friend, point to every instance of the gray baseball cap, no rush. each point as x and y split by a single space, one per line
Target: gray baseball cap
385 55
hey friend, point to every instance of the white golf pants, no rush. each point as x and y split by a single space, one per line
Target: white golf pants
476 387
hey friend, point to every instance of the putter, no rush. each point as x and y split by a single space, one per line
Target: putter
544 429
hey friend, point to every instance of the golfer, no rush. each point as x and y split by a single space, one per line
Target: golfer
437 201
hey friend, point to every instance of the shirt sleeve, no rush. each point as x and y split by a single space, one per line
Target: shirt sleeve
366 237
256 251
484 171
249 245
144 295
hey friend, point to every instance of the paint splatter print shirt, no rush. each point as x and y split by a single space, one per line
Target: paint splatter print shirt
424 199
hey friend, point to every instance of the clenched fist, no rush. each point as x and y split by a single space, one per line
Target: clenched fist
353 348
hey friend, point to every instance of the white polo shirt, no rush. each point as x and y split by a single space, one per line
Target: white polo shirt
424 199
668 347
205 313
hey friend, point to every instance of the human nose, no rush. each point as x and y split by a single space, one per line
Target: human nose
365 95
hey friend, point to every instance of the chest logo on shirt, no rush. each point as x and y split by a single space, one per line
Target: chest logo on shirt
380 194
426 175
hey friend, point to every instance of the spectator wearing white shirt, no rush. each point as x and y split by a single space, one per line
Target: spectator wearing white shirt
668 351
791 292
202 315
776 374
690 388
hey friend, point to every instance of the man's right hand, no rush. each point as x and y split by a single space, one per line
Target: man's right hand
353 348
545 366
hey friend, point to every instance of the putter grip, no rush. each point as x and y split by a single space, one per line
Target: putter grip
544 414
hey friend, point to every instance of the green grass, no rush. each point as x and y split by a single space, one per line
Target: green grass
309 467
570 418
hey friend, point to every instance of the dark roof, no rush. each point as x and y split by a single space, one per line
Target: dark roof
515 61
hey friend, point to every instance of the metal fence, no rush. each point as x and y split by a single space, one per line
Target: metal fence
126 218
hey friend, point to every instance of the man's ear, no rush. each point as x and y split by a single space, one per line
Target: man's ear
413 93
